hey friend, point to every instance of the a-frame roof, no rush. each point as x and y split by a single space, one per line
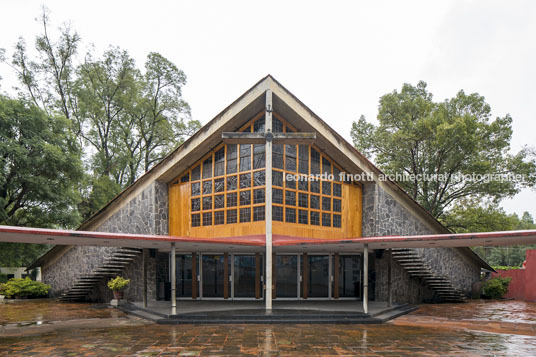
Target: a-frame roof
234 116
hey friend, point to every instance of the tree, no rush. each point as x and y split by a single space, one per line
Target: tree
20 254
124 119
471 216
40 167
104 89
48 81
439 146
166 123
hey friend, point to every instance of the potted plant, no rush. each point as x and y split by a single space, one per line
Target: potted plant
2 292
117 285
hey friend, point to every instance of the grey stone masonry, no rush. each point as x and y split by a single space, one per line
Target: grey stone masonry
146 213
383 215
75 262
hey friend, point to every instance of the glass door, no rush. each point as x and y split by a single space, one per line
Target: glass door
212 275
245 270
286 276
319 276
184 275
349 276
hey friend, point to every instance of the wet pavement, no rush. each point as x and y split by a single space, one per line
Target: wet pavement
493 310
136 338
45 310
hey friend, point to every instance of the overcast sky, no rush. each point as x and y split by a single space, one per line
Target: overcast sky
337 57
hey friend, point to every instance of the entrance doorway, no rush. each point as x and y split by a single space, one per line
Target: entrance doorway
318 276
184 275
349 279
286 276
213 275
296 276
247 277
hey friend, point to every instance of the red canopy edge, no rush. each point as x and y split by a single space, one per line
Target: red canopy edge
45 235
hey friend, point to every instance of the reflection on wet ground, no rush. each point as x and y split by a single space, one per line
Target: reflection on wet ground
255 340
302 340
493 310
44 311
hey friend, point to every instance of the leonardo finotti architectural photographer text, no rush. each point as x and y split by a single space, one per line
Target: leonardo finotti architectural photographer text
370 177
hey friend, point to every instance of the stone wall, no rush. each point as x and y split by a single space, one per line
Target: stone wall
405 289
76 261
383 215
144 214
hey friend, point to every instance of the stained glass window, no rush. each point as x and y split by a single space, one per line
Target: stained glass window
319 200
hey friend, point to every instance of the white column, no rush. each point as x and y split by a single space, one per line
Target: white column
268 215
365 279
173 281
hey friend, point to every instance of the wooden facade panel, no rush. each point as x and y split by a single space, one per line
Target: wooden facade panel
179 209
179 219
329 222
229 230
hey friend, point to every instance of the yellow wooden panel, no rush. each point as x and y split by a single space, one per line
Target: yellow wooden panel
352 210
229 230
307 231
173 214
179 200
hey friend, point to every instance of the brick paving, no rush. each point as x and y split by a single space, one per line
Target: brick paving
253 340
490 310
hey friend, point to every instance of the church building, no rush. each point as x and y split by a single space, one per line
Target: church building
265 202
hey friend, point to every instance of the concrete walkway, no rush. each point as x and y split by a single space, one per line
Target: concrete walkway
253 312
201 306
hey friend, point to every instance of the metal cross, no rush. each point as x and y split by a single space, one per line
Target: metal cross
268 138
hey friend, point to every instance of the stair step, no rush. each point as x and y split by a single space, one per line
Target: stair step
113 265
417 269
400 261
128 250
438 278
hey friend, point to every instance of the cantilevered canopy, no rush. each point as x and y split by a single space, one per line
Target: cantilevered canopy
256 243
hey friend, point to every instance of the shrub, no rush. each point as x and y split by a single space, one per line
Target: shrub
118 283
496 287
504 267
3 278
25 288
2 288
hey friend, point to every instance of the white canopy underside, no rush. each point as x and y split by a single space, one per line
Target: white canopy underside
246 244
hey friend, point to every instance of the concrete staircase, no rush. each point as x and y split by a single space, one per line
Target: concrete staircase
415 265
111 267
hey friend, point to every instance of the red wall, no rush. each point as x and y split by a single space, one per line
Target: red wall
523 284
530 276
516 289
